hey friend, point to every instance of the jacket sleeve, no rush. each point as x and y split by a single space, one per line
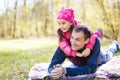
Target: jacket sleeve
91 42
66 48
58 58
91 65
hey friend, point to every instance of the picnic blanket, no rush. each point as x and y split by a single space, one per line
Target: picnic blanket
109 70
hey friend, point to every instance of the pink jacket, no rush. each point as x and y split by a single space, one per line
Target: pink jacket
66 48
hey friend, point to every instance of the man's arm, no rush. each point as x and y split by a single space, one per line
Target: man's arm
57 58
91 64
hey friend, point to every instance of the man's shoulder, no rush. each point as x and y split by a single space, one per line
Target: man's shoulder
97 40
96 47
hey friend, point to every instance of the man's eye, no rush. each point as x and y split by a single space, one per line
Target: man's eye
78 40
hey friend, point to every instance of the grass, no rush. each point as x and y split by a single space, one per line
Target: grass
18 56
15 66
16 61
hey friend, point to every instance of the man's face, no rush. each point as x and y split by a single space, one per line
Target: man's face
78 40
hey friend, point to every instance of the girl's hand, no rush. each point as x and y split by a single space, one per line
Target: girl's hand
79 54
86 52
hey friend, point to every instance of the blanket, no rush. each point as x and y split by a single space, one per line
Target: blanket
111 69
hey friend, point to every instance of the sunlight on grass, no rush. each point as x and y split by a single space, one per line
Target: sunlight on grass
22 44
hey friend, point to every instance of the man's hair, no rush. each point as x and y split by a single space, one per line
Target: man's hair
84 29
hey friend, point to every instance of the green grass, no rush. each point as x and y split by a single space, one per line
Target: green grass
15 63
18 56
15 66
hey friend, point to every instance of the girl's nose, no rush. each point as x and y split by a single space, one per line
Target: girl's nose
61 26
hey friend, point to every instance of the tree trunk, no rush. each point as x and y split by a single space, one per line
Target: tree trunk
83 10
51 15
15 16
45 27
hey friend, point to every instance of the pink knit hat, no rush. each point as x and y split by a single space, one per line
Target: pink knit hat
66 14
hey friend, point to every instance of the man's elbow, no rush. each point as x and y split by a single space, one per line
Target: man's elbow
50 69
93 68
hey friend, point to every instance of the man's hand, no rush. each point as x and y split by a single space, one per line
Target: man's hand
57 72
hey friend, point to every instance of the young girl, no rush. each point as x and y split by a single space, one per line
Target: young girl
66 24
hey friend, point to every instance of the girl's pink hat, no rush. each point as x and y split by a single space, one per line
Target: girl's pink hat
66 14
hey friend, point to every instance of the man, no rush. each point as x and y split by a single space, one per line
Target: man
85 65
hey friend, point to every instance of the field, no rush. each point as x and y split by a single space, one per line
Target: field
18 56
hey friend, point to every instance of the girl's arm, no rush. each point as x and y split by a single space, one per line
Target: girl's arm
66 48
91 42
85 52
89 46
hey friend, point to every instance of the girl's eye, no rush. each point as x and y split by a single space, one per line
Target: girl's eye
63 23
59 23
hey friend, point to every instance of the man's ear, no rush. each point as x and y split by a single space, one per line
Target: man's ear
87 40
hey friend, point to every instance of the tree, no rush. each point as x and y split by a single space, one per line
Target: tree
109 13
83 10
40 14
15 16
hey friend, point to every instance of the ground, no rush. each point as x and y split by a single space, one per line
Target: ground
19 55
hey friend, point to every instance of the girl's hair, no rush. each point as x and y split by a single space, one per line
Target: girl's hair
61 36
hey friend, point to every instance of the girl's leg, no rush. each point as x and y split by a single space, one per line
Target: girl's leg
99 33
114 48
106 55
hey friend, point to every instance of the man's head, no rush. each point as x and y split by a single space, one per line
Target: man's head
80 37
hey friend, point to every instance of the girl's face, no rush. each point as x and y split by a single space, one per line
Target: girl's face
64 25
